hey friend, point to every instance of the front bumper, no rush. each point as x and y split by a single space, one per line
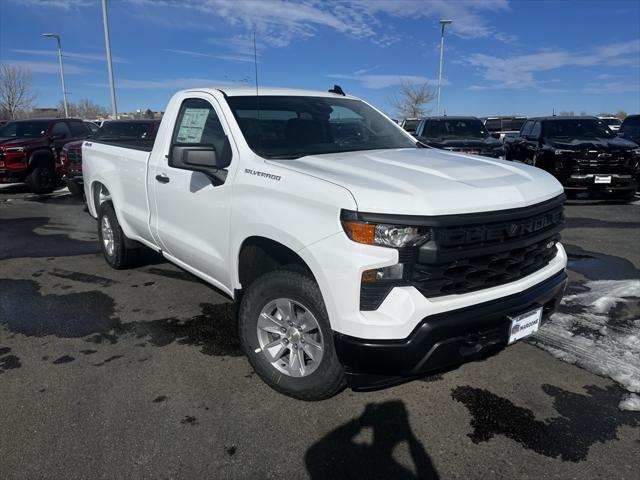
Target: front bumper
620 184
12 176
442 340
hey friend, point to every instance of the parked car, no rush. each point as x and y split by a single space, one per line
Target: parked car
354 253
459 134
410 124
630 128
92 126
30 149
136 132
612 122
500 127
581 152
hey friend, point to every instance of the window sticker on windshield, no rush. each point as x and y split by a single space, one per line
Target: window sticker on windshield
192 125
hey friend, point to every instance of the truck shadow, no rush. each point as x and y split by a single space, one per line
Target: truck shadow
364 447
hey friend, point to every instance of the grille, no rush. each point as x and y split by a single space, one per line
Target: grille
476 251
600 162
483 271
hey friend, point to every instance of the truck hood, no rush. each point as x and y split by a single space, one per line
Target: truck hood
600 144
429 181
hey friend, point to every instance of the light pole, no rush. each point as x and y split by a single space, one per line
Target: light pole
64 90
107 41
443 23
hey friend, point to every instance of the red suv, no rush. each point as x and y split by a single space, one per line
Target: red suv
30 150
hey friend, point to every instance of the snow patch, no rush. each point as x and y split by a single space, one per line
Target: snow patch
630 402
598 329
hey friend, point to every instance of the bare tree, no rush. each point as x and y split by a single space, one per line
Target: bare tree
15 91
85 108
413 99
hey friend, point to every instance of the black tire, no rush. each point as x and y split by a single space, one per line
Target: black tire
122 256
75 188
42 179
328 378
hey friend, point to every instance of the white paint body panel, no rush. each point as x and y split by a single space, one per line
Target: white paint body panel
202 228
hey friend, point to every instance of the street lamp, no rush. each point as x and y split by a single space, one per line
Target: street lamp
443 23
64 90
107 41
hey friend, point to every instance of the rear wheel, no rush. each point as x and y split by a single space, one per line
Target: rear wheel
112 240
42 179
285 333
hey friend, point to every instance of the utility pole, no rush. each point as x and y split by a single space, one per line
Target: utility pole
107 41
443 23
64 89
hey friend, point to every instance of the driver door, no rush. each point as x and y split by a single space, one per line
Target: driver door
192 215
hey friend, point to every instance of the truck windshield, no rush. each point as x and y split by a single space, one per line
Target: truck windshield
24 129
577 128
455 128
289 127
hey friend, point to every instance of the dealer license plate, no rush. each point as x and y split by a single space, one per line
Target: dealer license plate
602 179
524 325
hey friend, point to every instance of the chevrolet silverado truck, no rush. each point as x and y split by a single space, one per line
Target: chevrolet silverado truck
30 150
121 131
356 255
581 152
459 134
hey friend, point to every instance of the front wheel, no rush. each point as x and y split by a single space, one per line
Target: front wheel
42 179
285 332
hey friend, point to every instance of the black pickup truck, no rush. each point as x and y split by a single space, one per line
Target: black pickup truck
581 152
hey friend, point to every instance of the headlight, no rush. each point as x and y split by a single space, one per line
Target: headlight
636 151
14 149
385 235
563 152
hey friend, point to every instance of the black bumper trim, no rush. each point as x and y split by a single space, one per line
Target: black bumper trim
443 340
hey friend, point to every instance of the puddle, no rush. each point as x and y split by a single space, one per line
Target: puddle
90 315
8 362
19 239
82 277
598 266
582 420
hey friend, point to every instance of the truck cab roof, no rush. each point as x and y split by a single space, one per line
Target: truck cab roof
233 91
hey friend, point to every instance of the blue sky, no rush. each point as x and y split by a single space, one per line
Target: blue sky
501 56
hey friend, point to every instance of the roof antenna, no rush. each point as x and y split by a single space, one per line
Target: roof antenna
553 111
337 90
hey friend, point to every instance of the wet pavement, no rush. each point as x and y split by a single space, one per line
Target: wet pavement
139 374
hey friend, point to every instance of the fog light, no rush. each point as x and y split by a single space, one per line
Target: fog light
394 272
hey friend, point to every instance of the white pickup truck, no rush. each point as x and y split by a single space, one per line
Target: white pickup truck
355 254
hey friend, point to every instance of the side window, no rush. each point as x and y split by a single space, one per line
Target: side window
536 130
78 129
526 128
198 124
61 128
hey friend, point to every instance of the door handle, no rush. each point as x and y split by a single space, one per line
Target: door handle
162 178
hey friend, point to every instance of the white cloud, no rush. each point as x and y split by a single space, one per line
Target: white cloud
518 72
384 81
46 67
231 58
279 22
90 57
612 87
60 4
168 83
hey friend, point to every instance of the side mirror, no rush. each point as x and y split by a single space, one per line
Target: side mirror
202 158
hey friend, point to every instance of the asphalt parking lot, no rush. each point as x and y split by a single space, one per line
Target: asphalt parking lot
139 374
